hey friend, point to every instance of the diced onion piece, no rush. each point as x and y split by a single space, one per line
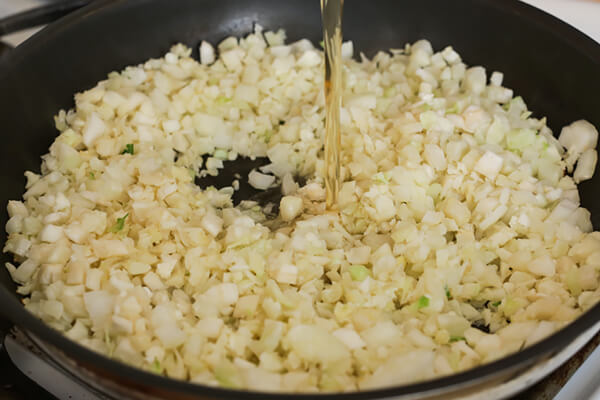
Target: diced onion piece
359 272
385 208
207 53
350 338
223 294
94 128
51 233
286 273
290 207
496 78
578 137
347 50
99 305
314 344
212 223
586 165
475 79
17 208
544 265
310 58
259 180
489 165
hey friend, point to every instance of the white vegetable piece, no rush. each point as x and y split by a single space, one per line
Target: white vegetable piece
385 208
489 164
212 223
435 156
99 305
138 268
316 345
247 93
105 248
165 326
475 80
25 271
288 185
411 366
280 51
54 309
347 50
286 273
259 180
290 207
223 294
165 268
309 59
563 210
314 191
350 338
358 255
122 325
450 55
95 128
544 265
232 59
578 137
17 208
210 327
18 245
496 78
93 279
207 53
51 233
153 281
208 125
14 224
368 102
586 165
171 58
302 45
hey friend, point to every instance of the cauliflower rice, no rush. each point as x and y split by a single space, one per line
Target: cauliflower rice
459 237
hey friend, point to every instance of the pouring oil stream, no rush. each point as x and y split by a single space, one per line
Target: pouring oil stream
331 15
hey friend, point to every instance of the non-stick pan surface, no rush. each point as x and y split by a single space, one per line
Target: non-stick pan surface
555 68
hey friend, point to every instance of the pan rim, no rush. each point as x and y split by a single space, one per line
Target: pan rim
24 319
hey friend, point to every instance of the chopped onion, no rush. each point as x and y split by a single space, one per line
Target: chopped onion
455 209
260 181
207 53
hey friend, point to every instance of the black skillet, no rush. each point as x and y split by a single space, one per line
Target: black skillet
553 66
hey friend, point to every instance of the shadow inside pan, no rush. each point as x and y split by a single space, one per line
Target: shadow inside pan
4 49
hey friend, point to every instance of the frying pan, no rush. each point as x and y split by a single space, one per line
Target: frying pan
555 68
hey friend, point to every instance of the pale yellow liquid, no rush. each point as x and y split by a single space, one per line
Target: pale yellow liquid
331 13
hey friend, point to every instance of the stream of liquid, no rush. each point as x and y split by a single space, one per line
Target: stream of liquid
331 14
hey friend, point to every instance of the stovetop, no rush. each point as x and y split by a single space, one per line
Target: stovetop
14 385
